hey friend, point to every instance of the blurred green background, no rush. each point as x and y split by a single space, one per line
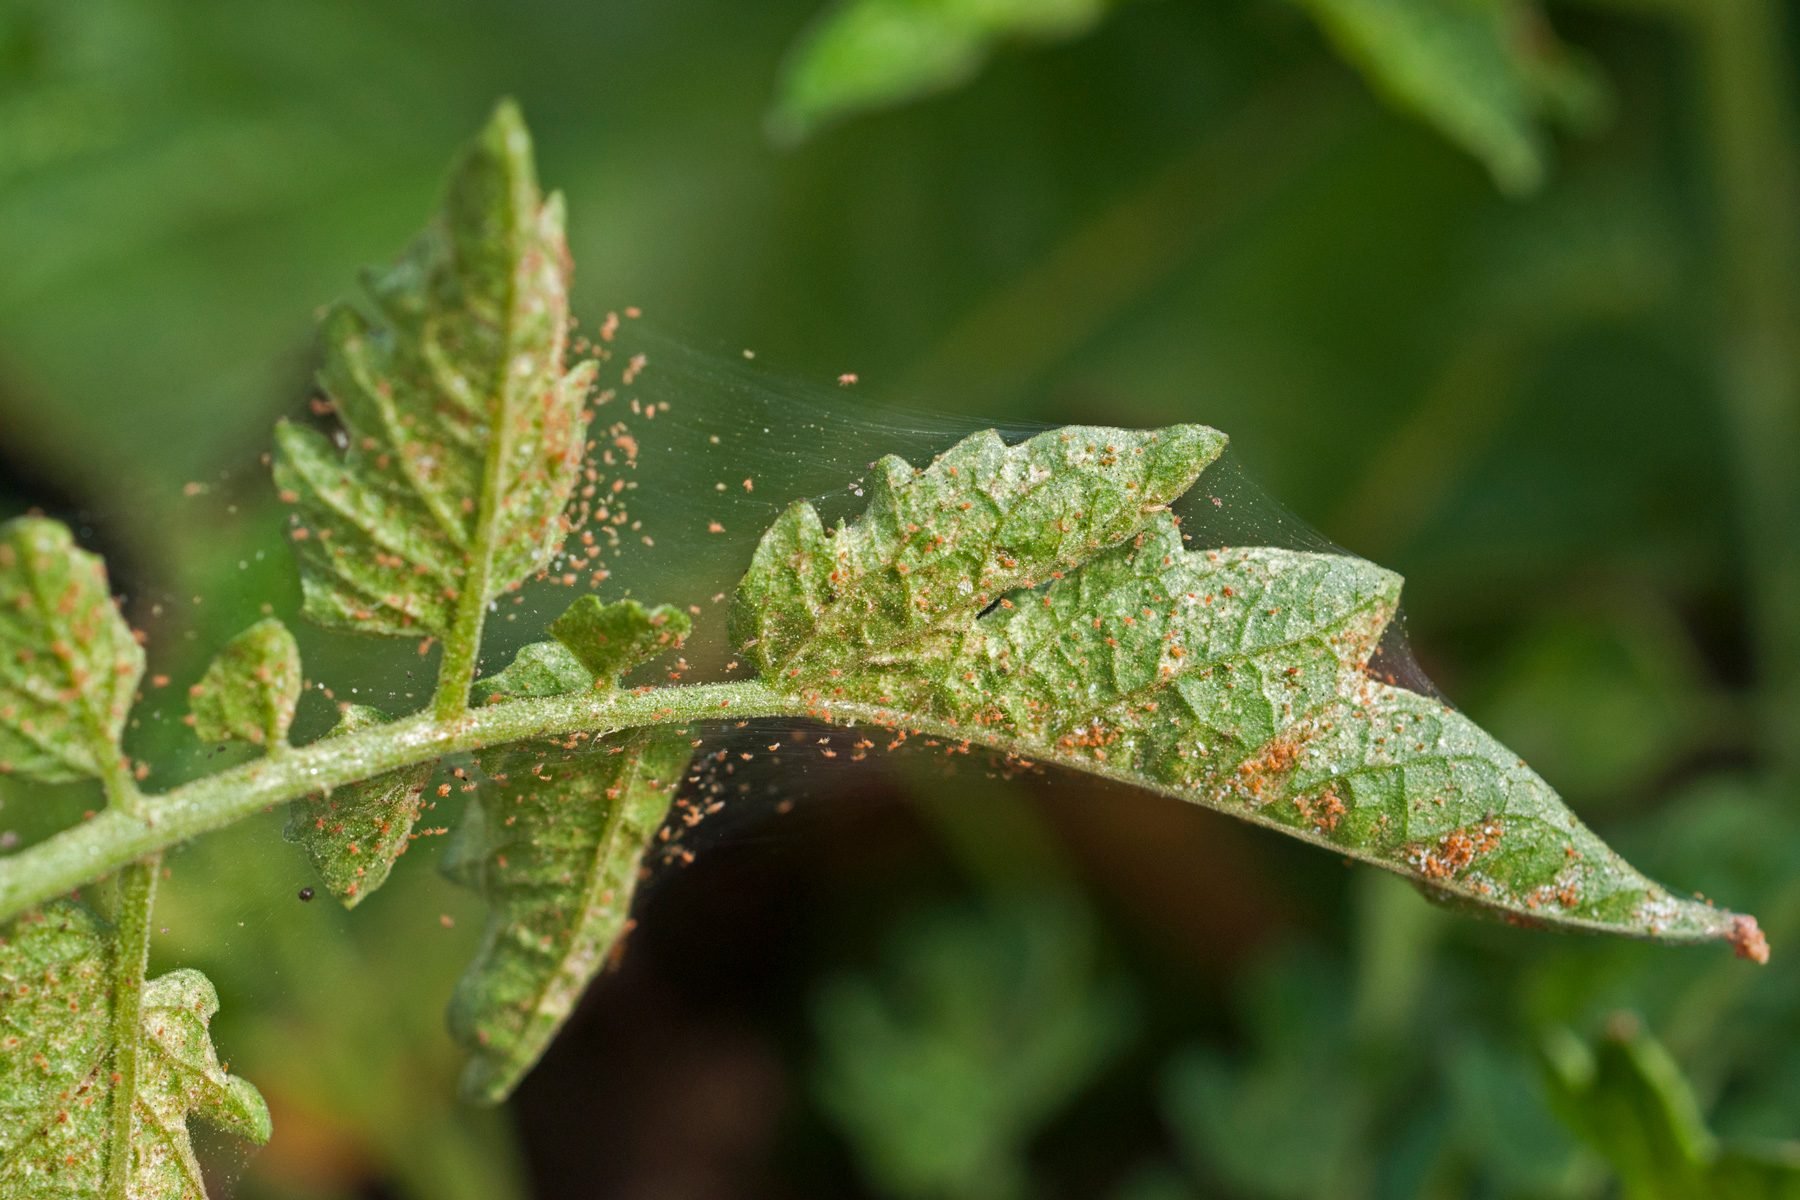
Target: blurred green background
1505 298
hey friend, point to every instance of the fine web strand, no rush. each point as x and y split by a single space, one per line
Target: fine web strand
693 454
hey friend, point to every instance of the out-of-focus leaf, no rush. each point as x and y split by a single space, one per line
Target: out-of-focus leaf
1159 1181
1290 1119
610 639
1643 702
57 1083
981 1027
463 429
1754 1171
353 834
1628 1099
251 689
1501 1117
68 662
1485 73
554 844
1038 599
867 54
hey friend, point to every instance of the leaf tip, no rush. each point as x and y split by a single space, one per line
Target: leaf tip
1184 451
485 1083
251 689
40 534
1204 440
254 1123
506 127
505 142
1746 939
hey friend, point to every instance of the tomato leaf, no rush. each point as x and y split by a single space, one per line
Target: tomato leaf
595 644
1038 599
1626 1097
539 669
938 544
867 54
1486 74
57 1080
250 691
463 429
554 840
610 639
68 662
554 845
354 833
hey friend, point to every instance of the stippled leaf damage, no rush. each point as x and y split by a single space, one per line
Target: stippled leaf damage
1040 599
57 1082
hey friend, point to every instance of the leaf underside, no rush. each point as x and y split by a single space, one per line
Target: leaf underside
555 847
353 834
252 688
609 639
68 662
56 1088
1038 599
539 669
463 429
554 841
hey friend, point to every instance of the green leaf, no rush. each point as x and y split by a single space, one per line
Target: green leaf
1485 73
539 669
554 845
939 544
69 664
1038 599
867 54
553 841
463 428
595 644
1291 1117
56 1080
354 833
982 1026
1628 1099
251 689
610 639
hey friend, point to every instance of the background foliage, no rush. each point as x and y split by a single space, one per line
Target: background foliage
1513 312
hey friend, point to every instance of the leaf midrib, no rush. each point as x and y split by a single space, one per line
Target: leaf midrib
897 655
462 642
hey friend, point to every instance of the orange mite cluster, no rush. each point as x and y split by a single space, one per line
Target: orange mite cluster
1324 813
1458 849
1281 756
